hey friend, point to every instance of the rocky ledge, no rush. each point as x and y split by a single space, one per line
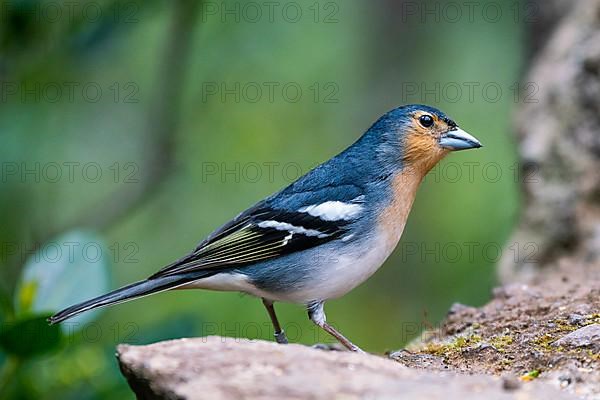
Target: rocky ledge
226 368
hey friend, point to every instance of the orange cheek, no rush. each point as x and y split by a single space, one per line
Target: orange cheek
418 146
422 151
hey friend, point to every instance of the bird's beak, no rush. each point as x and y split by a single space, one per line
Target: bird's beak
457 139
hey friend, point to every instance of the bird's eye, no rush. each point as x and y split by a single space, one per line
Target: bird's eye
426 120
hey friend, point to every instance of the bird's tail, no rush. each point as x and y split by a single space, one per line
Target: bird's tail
126 293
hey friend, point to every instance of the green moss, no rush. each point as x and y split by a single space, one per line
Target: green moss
543 342
501 342
563 326
437 349
591 354
507 362
457 345
592 319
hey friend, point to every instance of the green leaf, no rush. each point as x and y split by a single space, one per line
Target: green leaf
30 336
65 271
531 375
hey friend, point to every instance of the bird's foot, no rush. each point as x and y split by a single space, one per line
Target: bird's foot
281 338
354 348
328 347
335 347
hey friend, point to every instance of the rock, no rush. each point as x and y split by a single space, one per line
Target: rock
588 336
576 319
583 309
564 380
418 360
512 335
226 368
515 290
457 308
510 383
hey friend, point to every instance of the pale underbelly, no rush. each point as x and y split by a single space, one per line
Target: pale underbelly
341 275
335 276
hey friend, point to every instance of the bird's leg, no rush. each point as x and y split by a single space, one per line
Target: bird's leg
279 333
316 313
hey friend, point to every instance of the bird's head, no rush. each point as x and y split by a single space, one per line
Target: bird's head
418 136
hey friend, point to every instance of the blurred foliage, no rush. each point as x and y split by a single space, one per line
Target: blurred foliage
84 97
64 271
30 336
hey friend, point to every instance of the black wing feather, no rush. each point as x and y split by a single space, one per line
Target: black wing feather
242 241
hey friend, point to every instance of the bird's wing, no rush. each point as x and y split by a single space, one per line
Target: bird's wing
283 224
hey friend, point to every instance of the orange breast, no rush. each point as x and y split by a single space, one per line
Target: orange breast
393 219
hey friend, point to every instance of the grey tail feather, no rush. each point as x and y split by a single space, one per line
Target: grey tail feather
126 293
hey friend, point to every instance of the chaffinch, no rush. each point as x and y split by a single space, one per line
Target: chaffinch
324 234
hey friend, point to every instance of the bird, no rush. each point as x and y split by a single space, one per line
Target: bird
322 235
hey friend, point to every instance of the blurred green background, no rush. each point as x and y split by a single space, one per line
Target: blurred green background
130 130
